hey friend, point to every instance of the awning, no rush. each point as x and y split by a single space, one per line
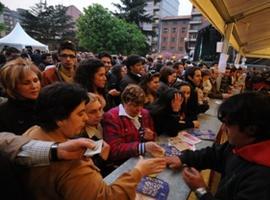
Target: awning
245 23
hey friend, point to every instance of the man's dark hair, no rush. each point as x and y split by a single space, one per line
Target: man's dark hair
56 102
190 71
175 65
250 111
66 45
11 50
104 54
132 60
44 56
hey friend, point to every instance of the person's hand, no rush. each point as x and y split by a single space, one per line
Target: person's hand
114 92
176 102
74 149
193 178
148 134
200 95
150 166
173 162
154 149
226 95
105 151
196 124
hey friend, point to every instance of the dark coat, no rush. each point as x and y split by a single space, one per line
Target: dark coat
129 78
167 123
16 116
245 172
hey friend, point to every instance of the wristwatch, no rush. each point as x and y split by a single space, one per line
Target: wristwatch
199 192
53 152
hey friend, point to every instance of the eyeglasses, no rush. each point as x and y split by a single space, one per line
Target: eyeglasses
67 56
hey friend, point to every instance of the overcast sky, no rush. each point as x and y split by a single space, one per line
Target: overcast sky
184 9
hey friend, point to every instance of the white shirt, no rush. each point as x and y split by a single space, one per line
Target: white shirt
135 120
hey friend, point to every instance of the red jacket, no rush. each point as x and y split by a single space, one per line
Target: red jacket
51 75
121 134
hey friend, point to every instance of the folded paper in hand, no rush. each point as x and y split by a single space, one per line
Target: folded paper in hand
96 150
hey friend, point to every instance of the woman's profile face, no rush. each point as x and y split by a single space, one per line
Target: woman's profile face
153 85
185 89
133 109
172 78
100 78
123 71
29 87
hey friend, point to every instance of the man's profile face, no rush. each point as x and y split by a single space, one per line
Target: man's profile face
107 62
197 78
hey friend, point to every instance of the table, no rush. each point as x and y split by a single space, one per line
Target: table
178 189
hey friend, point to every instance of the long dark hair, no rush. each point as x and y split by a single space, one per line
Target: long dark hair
149 76
163 104
85 74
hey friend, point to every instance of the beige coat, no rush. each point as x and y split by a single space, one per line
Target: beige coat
75 180
11 144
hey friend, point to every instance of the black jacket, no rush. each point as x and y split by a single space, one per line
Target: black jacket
193 107
129 78
245 172
16 116
167 123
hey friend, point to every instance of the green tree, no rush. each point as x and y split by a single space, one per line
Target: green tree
48 24
99 30
2 26
133 11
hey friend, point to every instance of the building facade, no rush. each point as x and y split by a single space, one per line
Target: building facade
74 13
196 23
173 33
159 10
9 18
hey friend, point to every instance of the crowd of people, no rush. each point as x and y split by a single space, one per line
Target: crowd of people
128 102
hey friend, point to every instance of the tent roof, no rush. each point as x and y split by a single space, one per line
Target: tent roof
249 22
19 39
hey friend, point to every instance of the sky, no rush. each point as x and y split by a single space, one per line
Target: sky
184 8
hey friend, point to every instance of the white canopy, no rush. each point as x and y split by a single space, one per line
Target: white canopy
18 38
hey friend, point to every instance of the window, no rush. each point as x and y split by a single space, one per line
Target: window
180 48
174 30
181 39
172 48
196 18
195 27
164 39
173 39
184 29
165 30
163 48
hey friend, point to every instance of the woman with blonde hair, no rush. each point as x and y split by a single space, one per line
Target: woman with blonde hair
20 80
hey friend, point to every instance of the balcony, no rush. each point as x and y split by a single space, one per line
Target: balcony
193 31
195 22
192 39
157 6
195 12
